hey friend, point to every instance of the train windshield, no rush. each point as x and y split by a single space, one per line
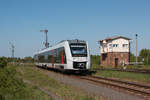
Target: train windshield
78 50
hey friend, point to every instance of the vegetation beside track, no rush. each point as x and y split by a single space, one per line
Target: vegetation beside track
137 77
41 79
125 75
139 67
12 87
142 67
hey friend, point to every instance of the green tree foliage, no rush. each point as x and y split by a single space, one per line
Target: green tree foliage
21 60
3 62
28 59
95 59
132 57
145 53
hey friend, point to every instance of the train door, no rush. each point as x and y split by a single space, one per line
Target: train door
62 57
53 58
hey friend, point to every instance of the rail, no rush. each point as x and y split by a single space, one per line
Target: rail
140 89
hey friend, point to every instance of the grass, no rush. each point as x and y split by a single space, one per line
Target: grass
60 89
36 94
95 66
139 67
125 75
138 77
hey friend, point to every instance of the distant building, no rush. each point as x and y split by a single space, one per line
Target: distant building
115 51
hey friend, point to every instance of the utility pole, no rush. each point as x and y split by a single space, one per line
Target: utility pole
136 48
46 41
129 51
12 51
148 57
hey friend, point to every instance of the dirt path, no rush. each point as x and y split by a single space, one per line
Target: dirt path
54 96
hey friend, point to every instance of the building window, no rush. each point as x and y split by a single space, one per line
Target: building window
115 45
104 45
125 45
110 46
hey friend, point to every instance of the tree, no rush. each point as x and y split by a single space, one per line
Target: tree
145 53
132 57
95 59
29 59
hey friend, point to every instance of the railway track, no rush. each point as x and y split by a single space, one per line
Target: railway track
131 87
138 89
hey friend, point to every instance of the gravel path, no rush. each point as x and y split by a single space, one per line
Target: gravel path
91 88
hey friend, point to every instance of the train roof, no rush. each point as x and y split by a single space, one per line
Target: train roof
74 41
69 41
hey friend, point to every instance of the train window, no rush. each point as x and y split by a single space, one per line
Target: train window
62 55
54 56
49 57
36 58
78 50
46 57
41 58
57 55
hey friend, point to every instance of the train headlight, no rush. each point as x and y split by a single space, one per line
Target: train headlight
81 64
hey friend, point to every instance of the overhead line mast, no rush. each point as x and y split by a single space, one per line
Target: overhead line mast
12 50
46 42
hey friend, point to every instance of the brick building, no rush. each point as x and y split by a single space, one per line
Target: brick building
115 51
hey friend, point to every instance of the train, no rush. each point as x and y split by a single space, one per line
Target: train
66 56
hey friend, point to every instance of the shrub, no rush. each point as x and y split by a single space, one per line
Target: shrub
3 62
1 97
11 86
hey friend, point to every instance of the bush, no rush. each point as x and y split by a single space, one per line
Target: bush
2 98
11 86
3 62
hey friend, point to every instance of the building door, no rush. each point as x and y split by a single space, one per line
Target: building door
116 62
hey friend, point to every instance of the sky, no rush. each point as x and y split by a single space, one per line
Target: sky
90 20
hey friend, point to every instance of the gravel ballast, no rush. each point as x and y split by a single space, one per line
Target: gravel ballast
91 88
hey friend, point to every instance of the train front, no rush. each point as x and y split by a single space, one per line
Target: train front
80 57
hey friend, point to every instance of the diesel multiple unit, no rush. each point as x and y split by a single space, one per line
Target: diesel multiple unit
68 55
